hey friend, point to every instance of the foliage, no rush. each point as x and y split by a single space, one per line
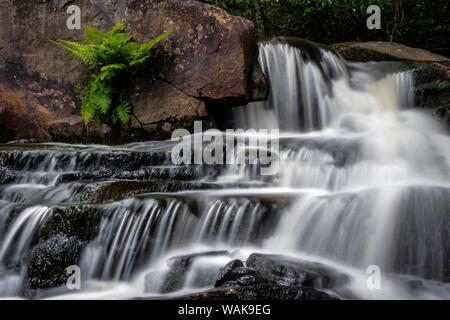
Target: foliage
419 23
111 58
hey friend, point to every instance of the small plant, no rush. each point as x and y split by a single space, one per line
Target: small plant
112 59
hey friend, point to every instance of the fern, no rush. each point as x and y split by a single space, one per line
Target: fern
123 112
111 57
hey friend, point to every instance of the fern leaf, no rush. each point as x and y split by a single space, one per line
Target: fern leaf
93 35
123 112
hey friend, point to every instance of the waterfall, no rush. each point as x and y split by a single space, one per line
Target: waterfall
363 180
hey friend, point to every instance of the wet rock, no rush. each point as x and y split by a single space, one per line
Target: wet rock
50 259
118 190
236 274
287 271
6 175
384 51
76 176
433 90
226 274
66 127
261 292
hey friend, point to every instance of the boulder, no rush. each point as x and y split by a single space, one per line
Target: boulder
226 274
6 175
119 190
385 51
50 259
74 126
267 292
211 53
288 271
273 277
209 61
235 274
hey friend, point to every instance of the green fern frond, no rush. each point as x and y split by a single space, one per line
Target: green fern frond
123 112
112 70
119 28
93 36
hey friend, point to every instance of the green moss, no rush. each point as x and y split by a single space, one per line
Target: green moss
433 90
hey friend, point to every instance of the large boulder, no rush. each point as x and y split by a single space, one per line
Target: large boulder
50 259
288 271
210 60
385 51
266 292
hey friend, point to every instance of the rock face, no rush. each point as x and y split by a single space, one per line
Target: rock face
262 276
287 271
209 60
262 292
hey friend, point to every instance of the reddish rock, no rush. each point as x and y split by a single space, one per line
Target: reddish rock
209 58
210 54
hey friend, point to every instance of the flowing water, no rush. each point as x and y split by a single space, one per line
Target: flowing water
363 180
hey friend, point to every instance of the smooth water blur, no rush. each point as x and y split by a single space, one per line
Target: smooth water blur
364 180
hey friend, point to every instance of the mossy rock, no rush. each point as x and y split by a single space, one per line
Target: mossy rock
385 51
433 90
6 175
360 54
119 190
81 221
50 259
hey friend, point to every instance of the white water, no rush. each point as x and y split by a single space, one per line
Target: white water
364 178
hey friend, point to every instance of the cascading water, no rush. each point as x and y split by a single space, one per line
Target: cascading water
363 180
